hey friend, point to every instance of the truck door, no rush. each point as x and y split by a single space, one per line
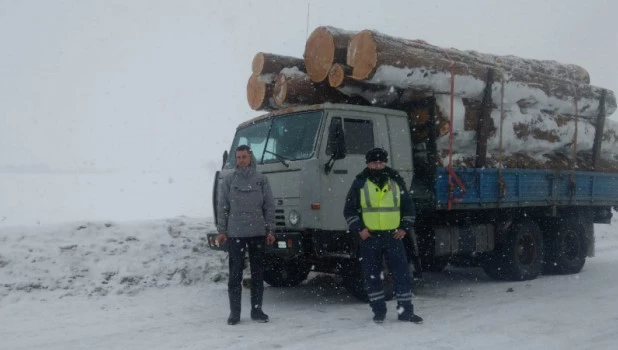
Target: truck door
361 133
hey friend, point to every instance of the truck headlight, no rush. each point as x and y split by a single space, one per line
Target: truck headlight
293 217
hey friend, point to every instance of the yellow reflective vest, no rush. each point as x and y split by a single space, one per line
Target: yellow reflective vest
381 206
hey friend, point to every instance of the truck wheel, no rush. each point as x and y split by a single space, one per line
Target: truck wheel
353 281
522 251
493 264
280 273
566 248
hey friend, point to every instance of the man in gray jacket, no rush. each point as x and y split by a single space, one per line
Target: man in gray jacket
246 215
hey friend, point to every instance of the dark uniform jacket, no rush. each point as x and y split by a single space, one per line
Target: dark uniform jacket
352 209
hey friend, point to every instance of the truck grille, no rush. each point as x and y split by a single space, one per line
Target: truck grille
279 217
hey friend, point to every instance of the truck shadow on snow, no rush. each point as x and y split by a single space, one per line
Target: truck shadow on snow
328 289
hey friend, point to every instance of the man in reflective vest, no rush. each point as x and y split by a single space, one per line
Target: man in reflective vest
380 210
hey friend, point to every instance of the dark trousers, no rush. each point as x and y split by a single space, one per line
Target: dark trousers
372 251
236 252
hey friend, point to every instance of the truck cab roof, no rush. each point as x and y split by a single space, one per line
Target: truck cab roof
324 106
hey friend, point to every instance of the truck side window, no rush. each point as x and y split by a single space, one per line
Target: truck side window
335 123
358 135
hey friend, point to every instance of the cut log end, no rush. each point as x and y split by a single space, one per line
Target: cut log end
257 65
319 54
337 75
362 55
258 93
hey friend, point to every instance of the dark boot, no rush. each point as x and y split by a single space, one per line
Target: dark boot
257 293
258 315
406 313
235 295
379 318
379 310
233 319
413 318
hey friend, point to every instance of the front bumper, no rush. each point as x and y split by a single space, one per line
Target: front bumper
287 244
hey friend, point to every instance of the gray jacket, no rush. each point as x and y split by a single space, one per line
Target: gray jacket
245 205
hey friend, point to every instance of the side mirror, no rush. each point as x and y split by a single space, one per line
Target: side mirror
225 155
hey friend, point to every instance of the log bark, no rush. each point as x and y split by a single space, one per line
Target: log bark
379 59
369 50
326 46
269 63
259 92
362 46
296 88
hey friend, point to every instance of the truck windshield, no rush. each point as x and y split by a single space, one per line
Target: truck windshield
279 139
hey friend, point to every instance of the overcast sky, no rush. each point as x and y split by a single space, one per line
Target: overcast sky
150 85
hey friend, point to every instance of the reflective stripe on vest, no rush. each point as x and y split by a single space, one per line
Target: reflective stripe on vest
380 206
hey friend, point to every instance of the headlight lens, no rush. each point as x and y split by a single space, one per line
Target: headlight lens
293 217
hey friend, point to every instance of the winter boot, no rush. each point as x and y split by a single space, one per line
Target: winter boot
258 315
379 318
406 313
257 293
233 319
235 295
379 310
413 318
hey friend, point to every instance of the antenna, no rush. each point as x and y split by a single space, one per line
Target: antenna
307 28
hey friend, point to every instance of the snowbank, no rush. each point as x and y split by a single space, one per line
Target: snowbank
100 258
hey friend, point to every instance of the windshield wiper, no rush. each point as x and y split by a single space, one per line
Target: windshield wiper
280 158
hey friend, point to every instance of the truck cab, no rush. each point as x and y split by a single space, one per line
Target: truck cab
515 223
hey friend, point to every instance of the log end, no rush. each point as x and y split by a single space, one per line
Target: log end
336 75
280 91
580 74
257 65
362 55
257 93
319 54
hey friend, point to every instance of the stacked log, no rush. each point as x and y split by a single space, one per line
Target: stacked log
325 47
268 63
376 58
293 87
261 84
260 92
543 100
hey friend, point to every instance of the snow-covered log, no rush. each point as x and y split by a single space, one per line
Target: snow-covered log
415 65
325 46
269 63
531 138
369 49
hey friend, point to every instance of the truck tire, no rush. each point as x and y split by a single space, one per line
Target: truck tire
522 252
353 281
519 257
565 248
280 273
493 264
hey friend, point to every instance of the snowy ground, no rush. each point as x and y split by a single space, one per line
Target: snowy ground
156 285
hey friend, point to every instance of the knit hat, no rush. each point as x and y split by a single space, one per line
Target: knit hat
376 154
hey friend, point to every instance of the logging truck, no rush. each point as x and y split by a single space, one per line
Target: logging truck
499 206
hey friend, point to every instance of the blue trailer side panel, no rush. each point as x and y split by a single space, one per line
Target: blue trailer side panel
525 187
